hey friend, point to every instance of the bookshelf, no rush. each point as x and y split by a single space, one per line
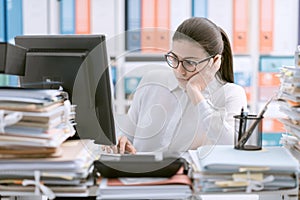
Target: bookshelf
243 22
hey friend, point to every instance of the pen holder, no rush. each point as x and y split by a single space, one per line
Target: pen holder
248 132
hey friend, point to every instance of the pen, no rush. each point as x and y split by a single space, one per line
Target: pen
245 114
248 133
241 124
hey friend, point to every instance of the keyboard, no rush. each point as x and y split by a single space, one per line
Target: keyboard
140 156
138 165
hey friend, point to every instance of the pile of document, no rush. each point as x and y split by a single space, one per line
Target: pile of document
41 119
222 168
67 174
289 99
35 156
176 187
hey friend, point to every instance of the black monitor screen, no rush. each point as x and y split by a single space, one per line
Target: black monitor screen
78 64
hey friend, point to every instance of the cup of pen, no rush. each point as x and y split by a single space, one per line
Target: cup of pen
248 132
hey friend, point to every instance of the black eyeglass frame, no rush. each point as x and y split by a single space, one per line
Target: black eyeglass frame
181 61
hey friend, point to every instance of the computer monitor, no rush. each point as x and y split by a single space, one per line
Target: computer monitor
79 64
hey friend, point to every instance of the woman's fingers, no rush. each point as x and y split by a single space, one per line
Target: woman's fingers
115 149
123 145
130 148
123 141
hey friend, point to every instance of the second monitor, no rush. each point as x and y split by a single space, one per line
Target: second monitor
78 64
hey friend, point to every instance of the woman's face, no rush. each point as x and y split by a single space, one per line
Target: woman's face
192 53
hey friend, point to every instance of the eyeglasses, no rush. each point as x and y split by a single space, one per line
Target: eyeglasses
188 65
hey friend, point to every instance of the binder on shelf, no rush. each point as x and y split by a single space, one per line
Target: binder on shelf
41 17
216 14
162 34
148 26
53 17
274 63
82 16
199 8
2 21
35 17
14 27
268 79
240 26
104 17
266 25
268 84
14 21
67 17
272 125
271 139
243 72
133 25
130 86
180 11
285 26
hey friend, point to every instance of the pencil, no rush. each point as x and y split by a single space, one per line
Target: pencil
249 132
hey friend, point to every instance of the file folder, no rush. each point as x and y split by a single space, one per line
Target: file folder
148 26
180 11
82 16
14 21
162 34
199 8
240 26
133 25
67 17
35 17
2 21
266 25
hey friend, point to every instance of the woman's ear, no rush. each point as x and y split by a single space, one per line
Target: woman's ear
217 57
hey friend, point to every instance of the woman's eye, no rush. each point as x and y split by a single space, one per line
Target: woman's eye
189 62
173 59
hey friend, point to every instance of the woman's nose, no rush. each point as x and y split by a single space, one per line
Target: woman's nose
181 69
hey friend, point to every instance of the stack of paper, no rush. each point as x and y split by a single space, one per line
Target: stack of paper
289 99
34 154
36 118
225 169
67 174
175 187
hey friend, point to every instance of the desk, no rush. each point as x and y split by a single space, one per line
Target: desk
291 194
272 195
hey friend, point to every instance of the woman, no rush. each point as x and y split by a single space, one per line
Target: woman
191 106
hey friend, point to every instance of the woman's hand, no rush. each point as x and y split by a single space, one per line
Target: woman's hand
125 145
199 81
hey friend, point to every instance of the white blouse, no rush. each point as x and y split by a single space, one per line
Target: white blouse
162 118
